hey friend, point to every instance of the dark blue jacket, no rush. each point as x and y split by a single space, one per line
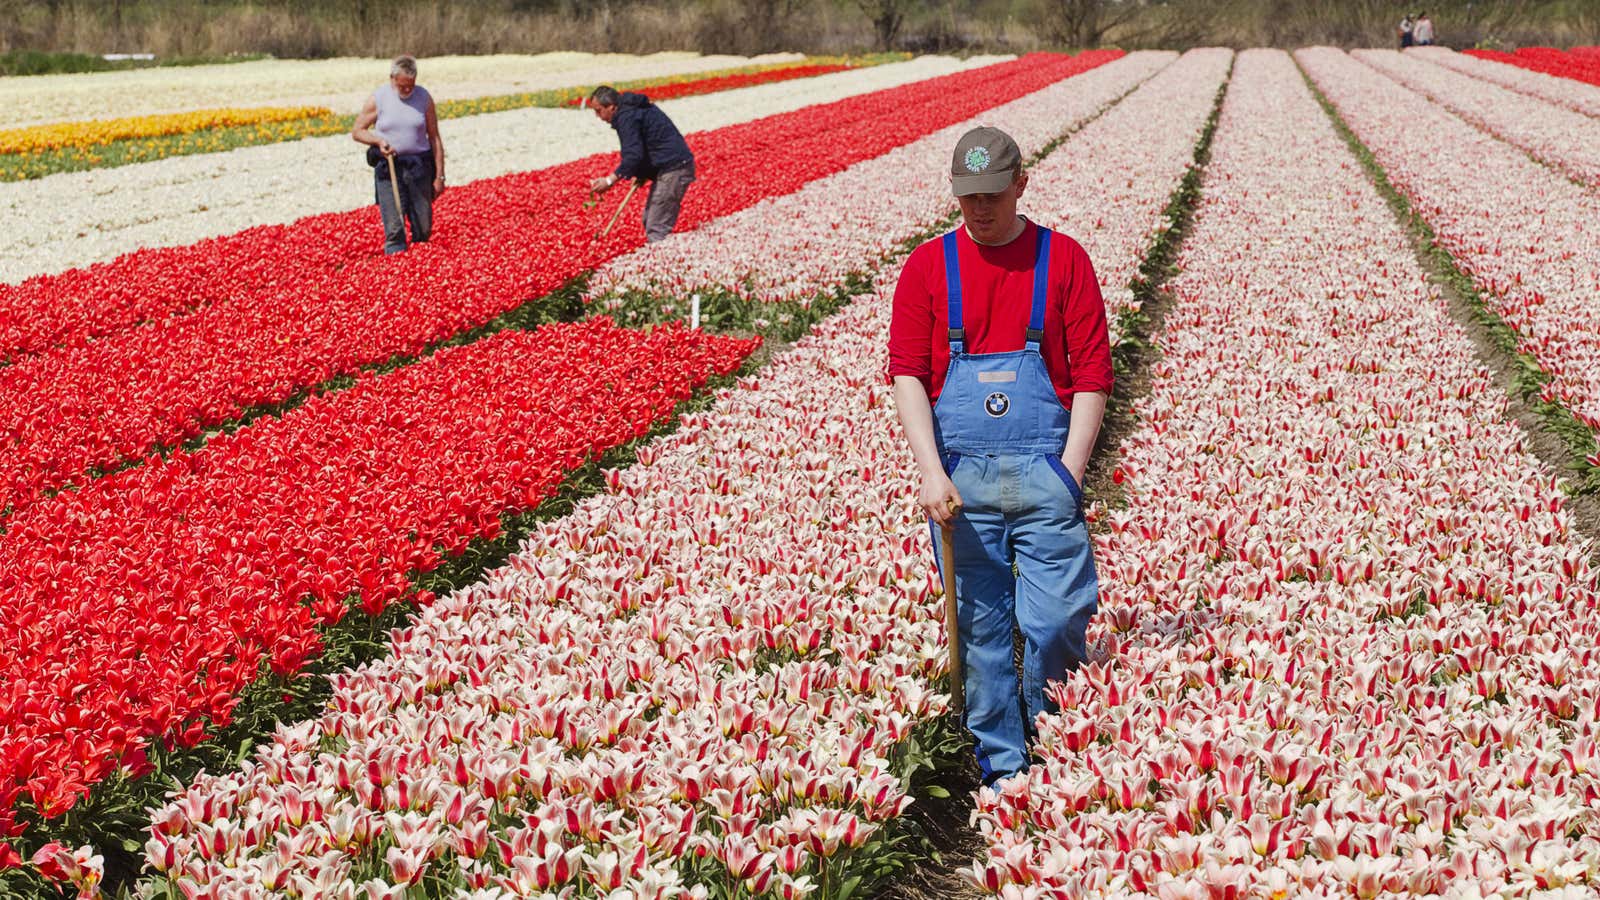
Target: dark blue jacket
650 142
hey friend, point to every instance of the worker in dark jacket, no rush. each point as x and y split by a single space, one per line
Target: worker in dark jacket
652 150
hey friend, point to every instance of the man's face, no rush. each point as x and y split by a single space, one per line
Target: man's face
990 217
403 84
606 113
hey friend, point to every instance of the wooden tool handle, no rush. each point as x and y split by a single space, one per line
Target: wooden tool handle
626 197
394 184
952 623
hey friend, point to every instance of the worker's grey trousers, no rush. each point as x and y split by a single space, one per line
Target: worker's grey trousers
664 200
416 197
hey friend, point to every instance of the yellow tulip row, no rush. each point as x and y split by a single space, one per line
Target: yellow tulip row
84 135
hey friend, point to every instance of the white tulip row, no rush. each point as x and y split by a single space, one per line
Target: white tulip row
339 84
792 247
1107 187
1348 634
1524 233
1584 98
1557 136
78 218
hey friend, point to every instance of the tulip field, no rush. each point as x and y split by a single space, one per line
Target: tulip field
1347 632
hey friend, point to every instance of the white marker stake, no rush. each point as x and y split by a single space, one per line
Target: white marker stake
694 312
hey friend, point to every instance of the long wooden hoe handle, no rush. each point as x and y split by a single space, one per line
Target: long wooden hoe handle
394 184
633 186
952 625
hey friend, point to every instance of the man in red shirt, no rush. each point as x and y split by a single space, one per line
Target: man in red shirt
1002 367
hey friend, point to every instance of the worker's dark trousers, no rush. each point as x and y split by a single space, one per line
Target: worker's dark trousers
416 193
665 199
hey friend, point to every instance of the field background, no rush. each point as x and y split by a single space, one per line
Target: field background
325 28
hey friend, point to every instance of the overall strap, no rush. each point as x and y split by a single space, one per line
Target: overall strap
1041 289
952 281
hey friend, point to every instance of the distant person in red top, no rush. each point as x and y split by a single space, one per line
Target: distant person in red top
1002 366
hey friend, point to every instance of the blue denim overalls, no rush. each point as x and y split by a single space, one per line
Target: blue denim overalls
1001 429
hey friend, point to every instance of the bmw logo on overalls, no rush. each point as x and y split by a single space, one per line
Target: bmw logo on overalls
997 404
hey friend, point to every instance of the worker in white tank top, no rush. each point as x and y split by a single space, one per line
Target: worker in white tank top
399 121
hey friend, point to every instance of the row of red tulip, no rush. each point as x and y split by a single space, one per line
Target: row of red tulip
1346 632
1577 65
142 603
1525 234
501 241
534 213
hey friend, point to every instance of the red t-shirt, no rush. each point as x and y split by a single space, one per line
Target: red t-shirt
996 300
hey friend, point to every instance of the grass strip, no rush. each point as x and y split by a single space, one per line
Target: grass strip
24 166
1528 377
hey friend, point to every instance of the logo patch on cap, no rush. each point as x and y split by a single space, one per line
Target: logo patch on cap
977 159
997 404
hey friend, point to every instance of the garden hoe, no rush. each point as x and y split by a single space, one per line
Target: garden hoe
633 186
394 184
952 626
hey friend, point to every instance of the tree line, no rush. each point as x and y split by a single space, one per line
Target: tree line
322 28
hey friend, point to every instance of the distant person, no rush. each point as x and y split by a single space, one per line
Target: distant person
1423 31
652 150
399 121
1406 29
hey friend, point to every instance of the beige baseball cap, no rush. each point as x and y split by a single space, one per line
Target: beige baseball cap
985 162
